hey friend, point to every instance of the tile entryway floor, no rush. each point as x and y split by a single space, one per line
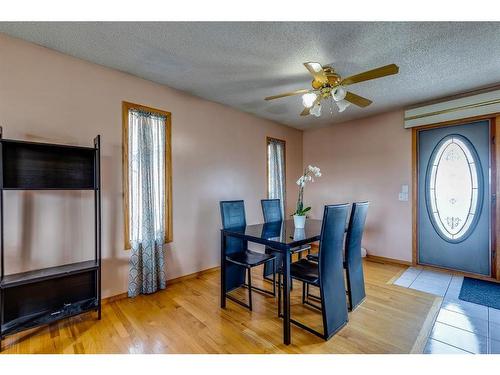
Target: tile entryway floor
461 327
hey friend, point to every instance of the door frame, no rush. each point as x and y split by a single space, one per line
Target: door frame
495 190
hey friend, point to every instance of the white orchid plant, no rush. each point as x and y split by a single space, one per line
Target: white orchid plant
309 173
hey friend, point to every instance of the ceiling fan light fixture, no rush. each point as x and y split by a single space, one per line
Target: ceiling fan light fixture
339 93
329 86
316 110
342 105
309 99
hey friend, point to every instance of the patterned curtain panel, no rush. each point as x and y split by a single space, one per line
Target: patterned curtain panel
146 200
276 171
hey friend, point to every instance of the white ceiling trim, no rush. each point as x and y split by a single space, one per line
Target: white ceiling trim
465 107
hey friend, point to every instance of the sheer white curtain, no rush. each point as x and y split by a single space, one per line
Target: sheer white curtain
146 145
276 171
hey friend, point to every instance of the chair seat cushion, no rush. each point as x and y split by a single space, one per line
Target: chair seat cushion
271 250
293 251
315 258
305 270
249 258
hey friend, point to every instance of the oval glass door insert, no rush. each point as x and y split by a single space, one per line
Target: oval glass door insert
454 196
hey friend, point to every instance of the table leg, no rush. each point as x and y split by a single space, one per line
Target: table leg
222 270
286 298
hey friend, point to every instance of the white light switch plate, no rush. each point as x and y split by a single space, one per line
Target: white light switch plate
403 195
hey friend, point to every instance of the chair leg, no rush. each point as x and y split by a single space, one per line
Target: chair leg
303 326
312 296
279 295
268 277
349 296
274 277
305 300
250 289
272 280
304 292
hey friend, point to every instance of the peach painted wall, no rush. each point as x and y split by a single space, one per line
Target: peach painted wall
366 159
218 153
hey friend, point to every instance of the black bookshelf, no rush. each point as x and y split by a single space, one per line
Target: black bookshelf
38 297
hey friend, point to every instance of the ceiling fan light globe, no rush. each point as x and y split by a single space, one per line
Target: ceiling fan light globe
342 105
309 99
316 110
339 93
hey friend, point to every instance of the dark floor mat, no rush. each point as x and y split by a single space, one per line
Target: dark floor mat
484 293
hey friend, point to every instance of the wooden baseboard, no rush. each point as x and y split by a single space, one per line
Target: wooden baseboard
384 260
194 275
114 298
376 258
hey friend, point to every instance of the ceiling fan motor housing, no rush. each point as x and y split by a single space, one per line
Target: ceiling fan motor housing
333 79
316 84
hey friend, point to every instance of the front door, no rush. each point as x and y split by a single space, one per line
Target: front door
454 197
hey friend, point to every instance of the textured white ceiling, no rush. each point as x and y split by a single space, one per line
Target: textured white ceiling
238 64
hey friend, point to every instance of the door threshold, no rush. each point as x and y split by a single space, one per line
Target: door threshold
458 272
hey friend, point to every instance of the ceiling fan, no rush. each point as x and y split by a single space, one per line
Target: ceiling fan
328 84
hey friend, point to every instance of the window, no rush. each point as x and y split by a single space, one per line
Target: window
453 198
276 181
147 173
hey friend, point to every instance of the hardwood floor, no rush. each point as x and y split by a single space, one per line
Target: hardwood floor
186 318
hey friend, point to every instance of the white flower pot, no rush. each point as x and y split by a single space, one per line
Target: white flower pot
299 221
299 234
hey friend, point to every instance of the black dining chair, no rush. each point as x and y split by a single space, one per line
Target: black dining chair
353 262
238 255
326 274
271 210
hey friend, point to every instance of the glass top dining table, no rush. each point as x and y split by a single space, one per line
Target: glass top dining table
280 236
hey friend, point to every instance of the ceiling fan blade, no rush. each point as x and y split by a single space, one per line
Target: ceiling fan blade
371 74
296 92
357 100
317 71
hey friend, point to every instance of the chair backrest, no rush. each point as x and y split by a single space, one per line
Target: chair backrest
232 214
271 209
271 229
355 232
331 268
353 259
